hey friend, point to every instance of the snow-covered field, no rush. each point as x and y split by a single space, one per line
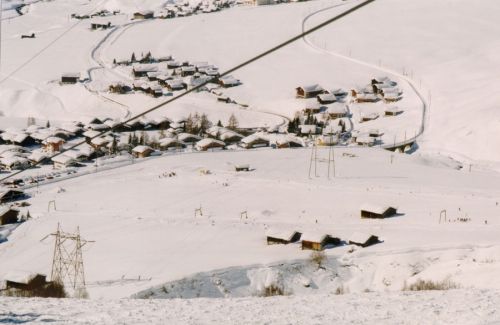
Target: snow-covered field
458 306
150 243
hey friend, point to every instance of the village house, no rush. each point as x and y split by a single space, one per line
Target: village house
361 97
99 143
229 136
363 240
207 143
318 242
53 144
188 138
311 107
142 151
365 117
229 81
392 111
14 163
70 78
336 111
289 142
364 140
308 129
309 91
140 71
63 162
145 14
254 141
171 143
377 212
327 140
187 71
8 215
38 157
175 84
282 237
326 98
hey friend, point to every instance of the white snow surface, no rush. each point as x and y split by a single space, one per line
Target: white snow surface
433 307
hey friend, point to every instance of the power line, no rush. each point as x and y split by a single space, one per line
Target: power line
227 72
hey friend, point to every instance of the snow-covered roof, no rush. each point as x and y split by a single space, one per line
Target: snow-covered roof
37 156
168 142
289 139
54 140
369 116
315 237
142 149
312 104
365 139
9 161
393 109
145 68
253 138
229 80
312 88
327 97
209 141
337 109
100 141
306 129
281 233
71 75
63 159
228 134
186 136
91 133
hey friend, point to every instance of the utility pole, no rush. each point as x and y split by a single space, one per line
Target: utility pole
67 260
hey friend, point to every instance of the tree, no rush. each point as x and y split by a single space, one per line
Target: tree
114 61
204 123
48 124
114 146
31 121
219 124
232 123
133 59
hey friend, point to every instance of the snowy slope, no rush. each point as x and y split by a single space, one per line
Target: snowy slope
146 232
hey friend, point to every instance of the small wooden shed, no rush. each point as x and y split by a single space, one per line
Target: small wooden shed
363 240
318 242
8 215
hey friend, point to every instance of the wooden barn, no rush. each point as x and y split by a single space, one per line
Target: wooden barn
309 91
63 161
377 212
229 81
289 142
11 195
337 111
8 215
282 237
392 111
143 70
188 138
363 240
312 107
53 144
318 242
142 151
70 78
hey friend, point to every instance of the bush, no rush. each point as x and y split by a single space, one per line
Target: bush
318 258
49 290
273 290
421 285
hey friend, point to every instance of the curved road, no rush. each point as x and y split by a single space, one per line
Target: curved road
373 66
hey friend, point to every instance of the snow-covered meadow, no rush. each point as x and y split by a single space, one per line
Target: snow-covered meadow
149 240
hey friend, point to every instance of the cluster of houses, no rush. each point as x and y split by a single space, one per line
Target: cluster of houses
100 13
381 88
326 115
183 9
320 241
155 76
